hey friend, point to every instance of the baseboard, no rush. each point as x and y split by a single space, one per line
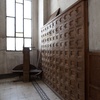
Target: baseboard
10 75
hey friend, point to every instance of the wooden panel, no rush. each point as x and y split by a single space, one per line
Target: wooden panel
26 64
94 73
63 52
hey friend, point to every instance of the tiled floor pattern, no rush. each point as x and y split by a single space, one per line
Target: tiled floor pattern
40 91
12 90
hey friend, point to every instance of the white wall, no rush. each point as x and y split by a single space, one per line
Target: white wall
94 24
9 60
42 17
62 4
34 30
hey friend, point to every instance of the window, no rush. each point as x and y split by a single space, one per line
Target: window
18 24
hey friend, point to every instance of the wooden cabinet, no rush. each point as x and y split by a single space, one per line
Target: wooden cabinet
63 52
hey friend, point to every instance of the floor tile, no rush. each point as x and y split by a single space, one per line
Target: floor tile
11 89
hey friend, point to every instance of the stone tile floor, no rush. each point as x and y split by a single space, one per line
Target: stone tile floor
10 89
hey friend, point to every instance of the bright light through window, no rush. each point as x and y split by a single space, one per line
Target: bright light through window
10 44
27 42
18 24
27 9
10 26
27 28
19 44
20 1
19 18
10 7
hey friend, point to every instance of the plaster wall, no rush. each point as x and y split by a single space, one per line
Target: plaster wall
8 60
62 4
94 25
42 17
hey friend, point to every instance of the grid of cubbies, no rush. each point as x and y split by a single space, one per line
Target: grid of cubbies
63 53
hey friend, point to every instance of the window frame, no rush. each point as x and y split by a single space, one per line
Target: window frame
15 37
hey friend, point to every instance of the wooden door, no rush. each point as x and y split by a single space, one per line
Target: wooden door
94 76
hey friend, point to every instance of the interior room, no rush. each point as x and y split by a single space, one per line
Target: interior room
49 50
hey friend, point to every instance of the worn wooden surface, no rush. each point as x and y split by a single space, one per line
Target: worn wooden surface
63 44
94 75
